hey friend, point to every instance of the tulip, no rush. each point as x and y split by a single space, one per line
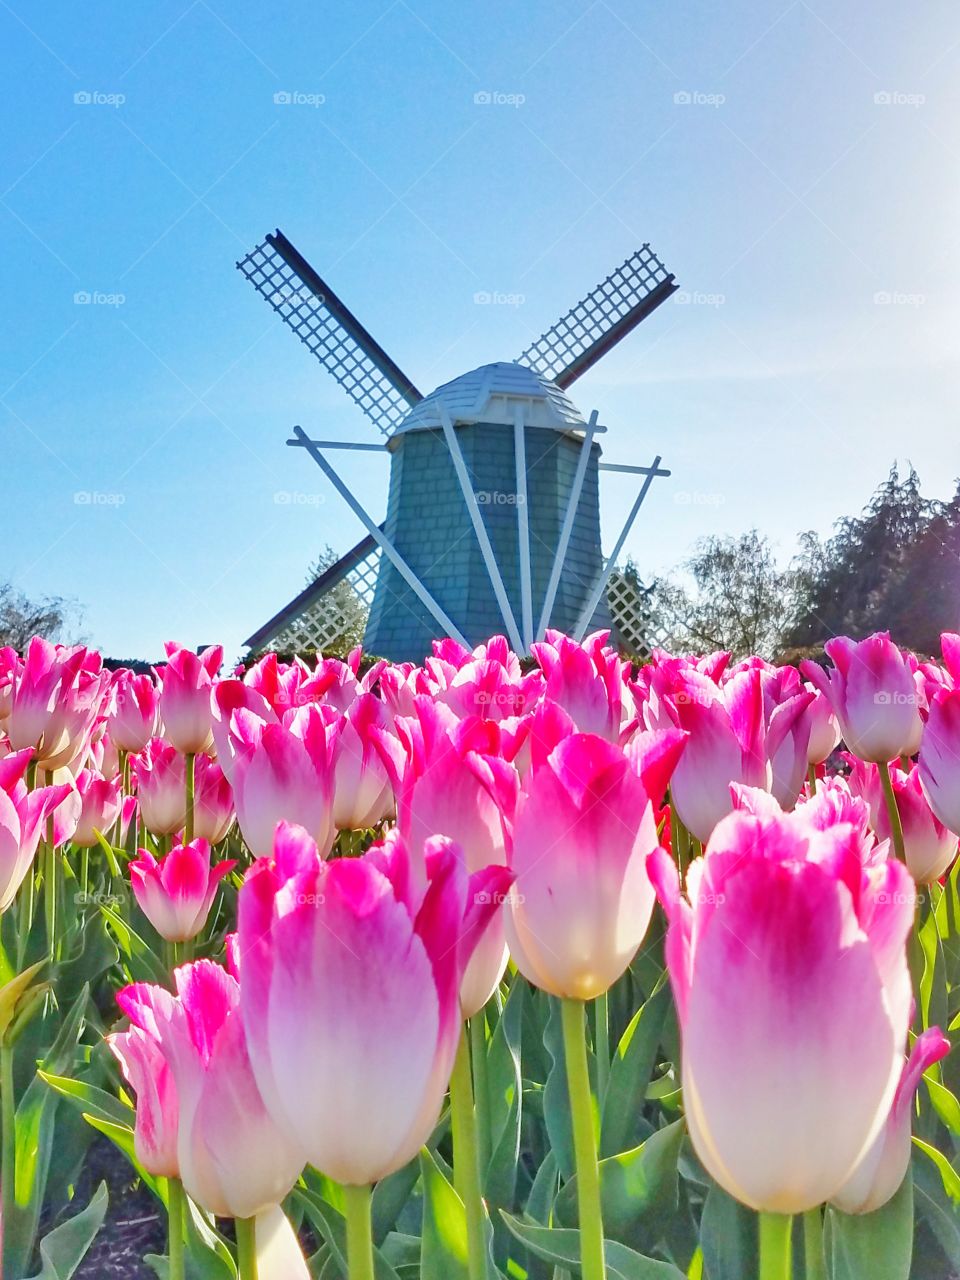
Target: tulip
176 894
100 805
286 771
133 709
448 787
873 694
236 710
585 679
158 1113
160 773
213 813
350 977
735 734
362 791
939 759
222 1120
186 685
23 815
55 702
824 728
878 1176
929 846
582 898
9 670
278 683
789 954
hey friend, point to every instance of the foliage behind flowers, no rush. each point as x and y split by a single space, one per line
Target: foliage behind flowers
485 967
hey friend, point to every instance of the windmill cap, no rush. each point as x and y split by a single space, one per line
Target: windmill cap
492 394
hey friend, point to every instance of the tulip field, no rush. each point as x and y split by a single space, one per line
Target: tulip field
485 969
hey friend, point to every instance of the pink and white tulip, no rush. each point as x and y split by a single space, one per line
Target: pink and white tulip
789 954
132 710
158 1111
160 774
362 790
187 682
222 1118
23 815
213 811
351 974
176 893
939 759
101 801
582 899
874 695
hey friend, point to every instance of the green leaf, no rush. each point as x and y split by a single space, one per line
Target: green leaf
633 1184
933 982
505 1094
145 964
937 1211
88 1098
944 1103
561 1246
443 1248
122 1137
330 1223
62 1251
948 1175
631 1070
728 1237
878 1245
544 1190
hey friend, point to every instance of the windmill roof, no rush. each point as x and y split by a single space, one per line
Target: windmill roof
491 394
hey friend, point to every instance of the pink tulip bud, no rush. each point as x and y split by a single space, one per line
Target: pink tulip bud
582 899
132 711
9 671
824 728
939 760
100 802
55 702
278 683
160 773
878 1176
176 894
586 680
735 734
158 1111
23 817
362 792
352 974
929 846
789 954
286 771
872 690
213 812
222 1117
187 684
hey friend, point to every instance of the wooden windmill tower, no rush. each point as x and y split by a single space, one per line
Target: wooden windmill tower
493 515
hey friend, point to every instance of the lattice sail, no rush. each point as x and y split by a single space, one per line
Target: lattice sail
334 619
601 319
330 331
634 625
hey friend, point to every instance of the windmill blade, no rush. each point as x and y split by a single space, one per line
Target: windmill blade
330 331
601 319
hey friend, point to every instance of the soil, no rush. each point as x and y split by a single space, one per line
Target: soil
134 1226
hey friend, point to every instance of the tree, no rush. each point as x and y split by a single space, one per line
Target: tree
21 618
341 605
729 594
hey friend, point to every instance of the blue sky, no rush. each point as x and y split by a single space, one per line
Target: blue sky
805 196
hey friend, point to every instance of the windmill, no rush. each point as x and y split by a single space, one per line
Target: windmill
493 513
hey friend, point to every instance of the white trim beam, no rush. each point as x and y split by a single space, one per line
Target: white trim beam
590 608
523 528
302 440
567 528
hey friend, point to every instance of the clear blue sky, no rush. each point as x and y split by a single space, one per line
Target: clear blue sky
787 196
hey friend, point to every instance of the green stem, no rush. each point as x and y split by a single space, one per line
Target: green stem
190 773
8 1142
466 1165
481 1096
50 889
176 1218
601 1045
893 813
775 1256
592 1262
812 778
246 1229
814 1264
359 1233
